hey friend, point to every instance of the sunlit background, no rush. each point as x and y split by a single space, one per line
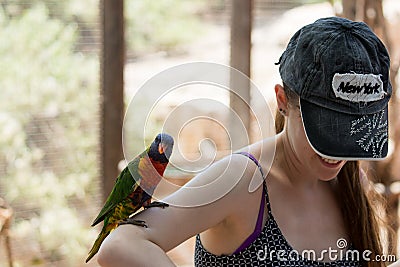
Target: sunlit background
50 105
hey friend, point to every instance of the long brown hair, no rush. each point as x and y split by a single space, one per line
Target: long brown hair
360 216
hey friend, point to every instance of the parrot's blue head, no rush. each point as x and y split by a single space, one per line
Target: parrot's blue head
161 148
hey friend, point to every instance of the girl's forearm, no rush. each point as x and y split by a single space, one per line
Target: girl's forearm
118 251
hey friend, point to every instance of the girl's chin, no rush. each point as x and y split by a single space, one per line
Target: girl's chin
327 179
330 168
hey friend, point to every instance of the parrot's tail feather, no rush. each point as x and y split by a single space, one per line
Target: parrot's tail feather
96 246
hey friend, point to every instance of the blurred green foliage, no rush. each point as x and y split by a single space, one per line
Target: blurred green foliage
162 25
48 135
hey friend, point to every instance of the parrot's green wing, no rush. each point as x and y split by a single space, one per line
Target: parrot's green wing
125 185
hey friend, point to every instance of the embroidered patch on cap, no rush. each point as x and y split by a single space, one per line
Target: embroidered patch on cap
372 133
358 87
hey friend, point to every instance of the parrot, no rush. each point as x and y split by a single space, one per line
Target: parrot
133 189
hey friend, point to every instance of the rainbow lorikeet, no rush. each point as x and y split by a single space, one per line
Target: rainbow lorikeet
133 188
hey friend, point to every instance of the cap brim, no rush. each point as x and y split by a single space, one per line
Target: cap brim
344 136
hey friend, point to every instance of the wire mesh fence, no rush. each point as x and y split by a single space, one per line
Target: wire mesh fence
49 120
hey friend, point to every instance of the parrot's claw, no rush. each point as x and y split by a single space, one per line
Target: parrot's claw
134 222
156 204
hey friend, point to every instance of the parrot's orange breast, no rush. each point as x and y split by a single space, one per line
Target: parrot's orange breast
151 172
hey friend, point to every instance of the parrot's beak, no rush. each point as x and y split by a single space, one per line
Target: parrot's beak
162 148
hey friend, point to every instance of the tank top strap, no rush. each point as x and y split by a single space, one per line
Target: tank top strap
267 198
250 156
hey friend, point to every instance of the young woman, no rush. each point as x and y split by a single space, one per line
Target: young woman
313 208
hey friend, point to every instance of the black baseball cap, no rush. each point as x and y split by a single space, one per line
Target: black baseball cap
340 70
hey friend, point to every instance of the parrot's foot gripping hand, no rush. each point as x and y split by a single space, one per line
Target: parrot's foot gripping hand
134 222
156 204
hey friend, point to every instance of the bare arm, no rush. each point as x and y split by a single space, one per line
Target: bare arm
129 246
218 189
